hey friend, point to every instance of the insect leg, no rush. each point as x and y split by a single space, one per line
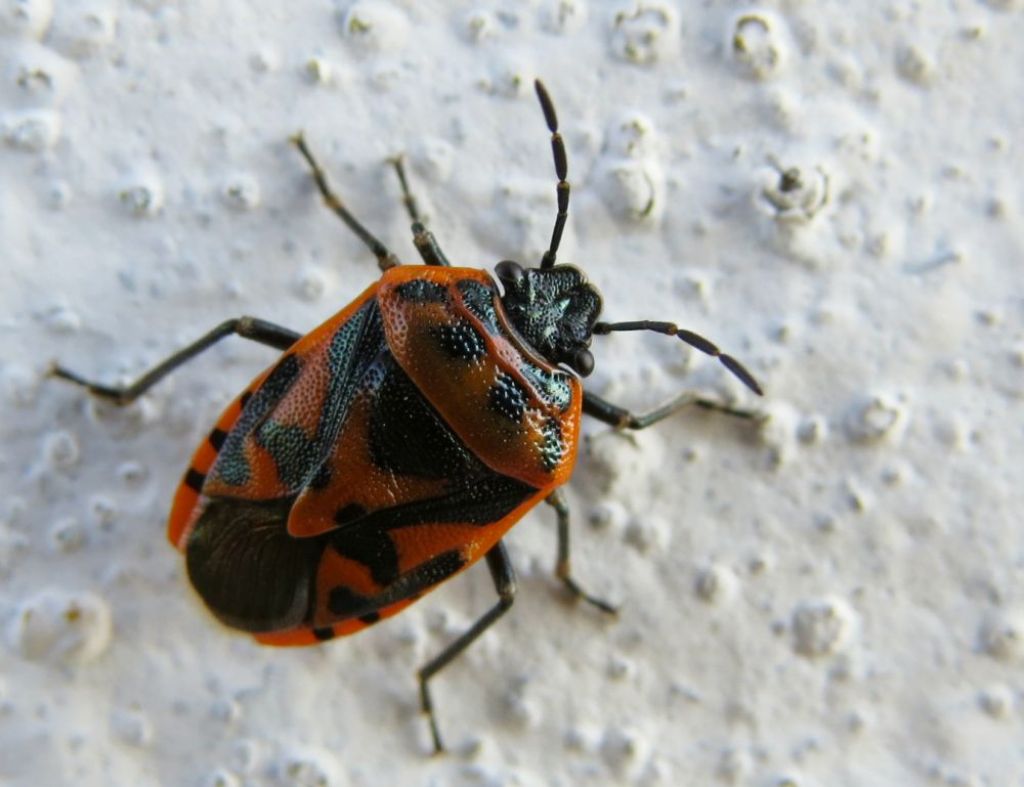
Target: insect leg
504 577
424 240
562 571
247 327
620 418
385 259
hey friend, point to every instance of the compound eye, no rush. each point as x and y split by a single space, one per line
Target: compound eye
583 362
509 272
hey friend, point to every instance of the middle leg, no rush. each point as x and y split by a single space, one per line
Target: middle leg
562 566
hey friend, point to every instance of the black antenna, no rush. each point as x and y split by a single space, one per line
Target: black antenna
561 170
693 339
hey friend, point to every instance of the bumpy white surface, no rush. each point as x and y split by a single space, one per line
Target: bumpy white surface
830 190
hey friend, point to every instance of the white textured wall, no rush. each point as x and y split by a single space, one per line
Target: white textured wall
834 599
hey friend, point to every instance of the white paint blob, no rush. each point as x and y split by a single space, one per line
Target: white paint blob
60 627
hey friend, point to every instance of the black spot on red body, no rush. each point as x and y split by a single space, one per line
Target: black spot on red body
194 480
371 546
346 603
554 446
507 398
217 438
349 514
461 341
441 567
422 291
479 300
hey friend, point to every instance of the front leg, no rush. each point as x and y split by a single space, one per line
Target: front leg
621 418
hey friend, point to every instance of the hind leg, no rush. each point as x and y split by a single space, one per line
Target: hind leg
504 577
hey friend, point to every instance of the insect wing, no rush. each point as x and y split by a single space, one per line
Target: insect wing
270 440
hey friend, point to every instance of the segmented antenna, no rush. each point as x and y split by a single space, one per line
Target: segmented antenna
561 170
695 340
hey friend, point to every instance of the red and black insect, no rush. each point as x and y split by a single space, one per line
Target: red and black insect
394 445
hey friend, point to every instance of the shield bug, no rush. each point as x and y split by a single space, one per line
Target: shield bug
394 445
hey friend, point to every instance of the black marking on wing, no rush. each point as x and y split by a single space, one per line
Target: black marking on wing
346 603
408 437
232 467
293 451
251 574
299 451
322 478
354 350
